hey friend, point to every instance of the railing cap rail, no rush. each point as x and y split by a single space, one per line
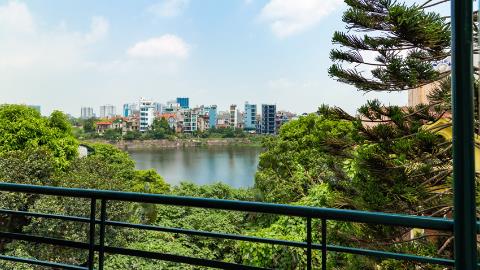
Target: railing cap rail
245 206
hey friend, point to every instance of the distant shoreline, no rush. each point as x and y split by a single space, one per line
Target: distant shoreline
177 143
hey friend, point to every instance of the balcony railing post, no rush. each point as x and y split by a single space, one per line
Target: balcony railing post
91 232
324 244
103 218
309 243
463 118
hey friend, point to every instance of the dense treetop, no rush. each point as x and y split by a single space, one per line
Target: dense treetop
22 128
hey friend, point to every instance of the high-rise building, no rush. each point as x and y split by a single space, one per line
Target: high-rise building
184 102
250 116
108 111
147 114
233 116
87 113
129 109
172 107
159 107
212 116
268 119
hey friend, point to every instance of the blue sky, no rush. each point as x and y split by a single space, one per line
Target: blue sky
68 54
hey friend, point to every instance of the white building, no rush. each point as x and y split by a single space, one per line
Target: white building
87 113
233 116
172 106
147 114
108 111
190 118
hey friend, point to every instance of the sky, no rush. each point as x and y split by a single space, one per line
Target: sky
63 55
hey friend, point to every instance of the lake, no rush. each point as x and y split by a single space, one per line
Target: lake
232 165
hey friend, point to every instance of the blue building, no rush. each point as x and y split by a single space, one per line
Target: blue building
184 102
212 116
126 112
250 116
269 113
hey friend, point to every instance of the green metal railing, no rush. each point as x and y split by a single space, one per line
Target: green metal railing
96 242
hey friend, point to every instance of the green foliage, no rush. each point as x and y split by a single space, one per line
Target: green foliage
112 135
386 28
132 135
223 133
160 129
189 218
34 167
294 229
303 155
89 125
22 128
107 168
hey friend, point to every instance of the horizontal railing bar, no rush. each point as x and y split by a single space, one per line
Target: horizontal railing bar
128 252
44 240
178 258
367 252
257 207
42 215
207 234
390 255
341 249
220 235
41 263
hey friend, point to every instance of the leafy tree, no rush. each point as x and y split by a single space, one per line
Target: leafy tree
149 181
22 128
89 125
112 135
34 167
160 129
304 154
106 168
132 135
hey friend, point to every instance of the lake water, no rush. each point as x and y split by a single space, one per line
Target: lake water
232 165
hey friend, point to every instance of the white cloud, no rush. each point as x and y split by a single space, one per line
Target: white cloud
15 17
289 17
168 8
99 27
28 44
167 45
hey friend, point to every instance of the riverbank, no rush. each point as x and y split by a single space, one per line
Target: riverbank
177 143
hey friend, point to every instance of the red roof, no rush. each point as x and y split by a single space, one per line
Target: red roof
168 115
105 123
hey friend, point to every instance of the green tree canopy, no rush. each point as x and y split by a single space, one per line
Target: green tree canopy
22 128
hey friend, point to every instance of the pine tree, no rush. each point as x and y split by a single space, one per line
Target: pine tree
400 167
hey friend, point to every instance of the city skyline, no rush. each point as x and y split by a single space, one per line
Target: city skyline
66 55
119 110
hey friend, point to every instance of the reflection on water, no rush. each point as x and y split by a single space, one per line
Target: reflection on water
233 165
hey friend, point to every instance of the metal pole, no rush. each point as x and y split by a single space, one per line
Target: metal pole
324 244
91 235
309 243
103 218
463 114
